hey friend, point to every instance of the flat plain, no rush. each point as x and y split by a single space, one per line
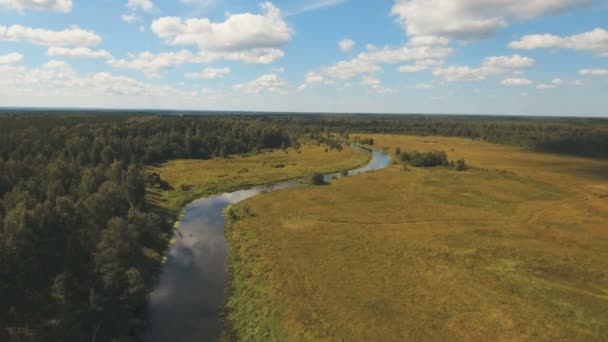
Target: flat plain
201 178
515 248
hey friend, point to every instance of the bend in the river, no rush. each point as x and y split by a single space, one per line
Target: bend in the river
184 305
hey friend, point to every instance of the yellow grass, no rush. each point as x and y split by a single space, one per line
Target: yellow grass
208 177
515 249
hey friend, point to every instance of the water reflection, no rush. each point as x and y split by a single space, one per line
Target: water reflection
184 305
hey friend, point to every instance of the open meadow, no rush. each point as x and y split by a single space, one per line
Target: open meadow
514 248
191 179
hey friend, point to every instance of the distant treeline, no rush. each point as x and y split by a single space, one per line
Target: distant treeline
79 246
587 137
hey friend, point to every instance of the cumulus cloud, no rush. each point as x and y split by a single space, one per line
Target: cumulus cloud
595 41
270 83
472 19
376 85
11 58
490 66
72 36
515 82
144 5
130 18
368 61
210 73
593 72
79 52
348 69
57 75
152 63
346 45
238 32
49 5
553 84
312 79
419 66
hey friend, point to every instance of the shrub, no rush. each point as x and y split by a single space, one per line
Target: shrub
317 179
461 165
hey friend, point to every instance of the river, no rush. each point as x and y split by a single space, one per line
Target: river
185 304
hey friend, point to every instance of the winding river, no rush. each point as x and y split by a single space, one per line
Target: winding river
185 304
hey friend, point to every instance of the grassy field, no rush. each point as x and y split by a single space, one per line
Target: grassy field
207 177
514 249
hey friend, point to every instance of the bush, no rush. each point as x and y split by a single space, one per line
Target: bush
185 187
461 165
317 179
344 173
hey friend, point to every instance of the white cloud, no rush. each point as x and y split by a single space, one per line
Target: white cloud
490 66
408 52
472 19
315 6
57 77
72 36
239 31
595 41
144 5
151 63
312 79
556 82
412 68
130 18
367 62
346 45
594 72
266 83
210 73
11 58
419 66
83 52
424 86
376 85
515 82
461 73
543 86
50 5
508 62
348 69
429 41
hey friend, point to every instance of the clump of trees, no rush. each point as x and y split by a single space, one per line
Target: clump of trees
364 141
429 159
424 159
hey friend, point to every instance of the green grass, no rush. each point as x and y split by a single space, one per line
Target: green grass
515 248
209 177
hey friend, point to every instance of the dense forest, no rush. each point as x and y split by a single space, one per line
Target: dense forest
80 248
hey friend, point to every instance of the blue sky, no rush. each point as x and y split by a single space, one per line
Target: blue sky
517 57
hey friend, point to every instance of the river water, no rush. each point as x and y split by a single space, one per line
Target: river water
185 304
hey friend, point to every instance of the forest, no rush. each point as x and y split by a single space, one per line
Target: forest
80 248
